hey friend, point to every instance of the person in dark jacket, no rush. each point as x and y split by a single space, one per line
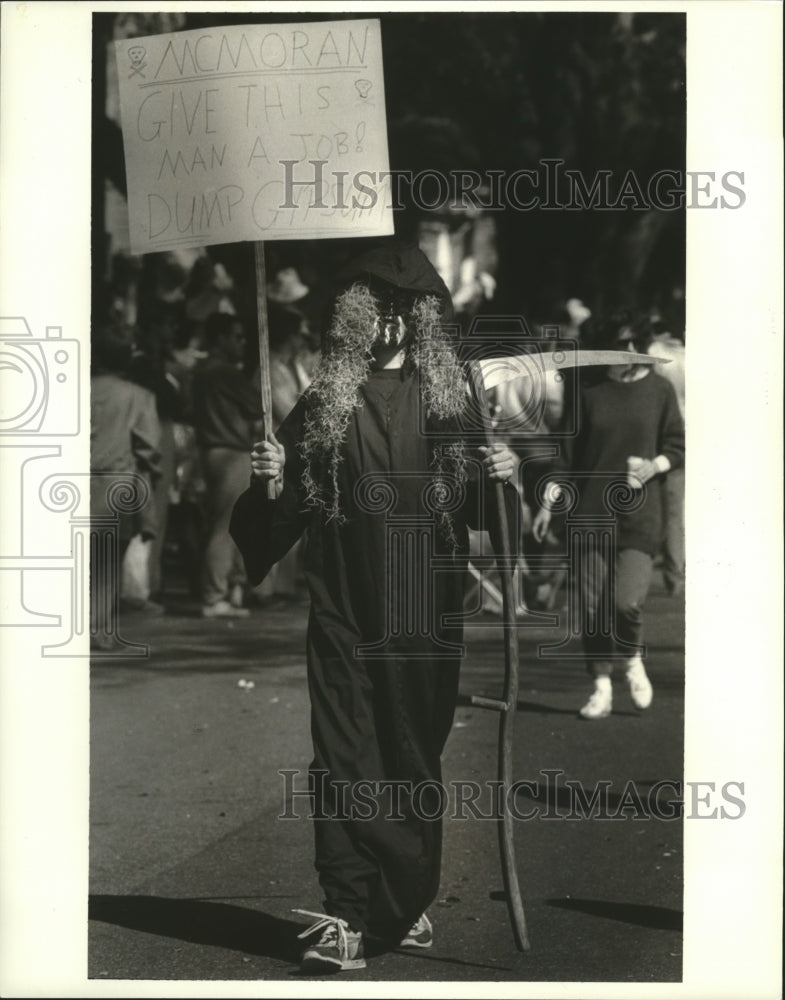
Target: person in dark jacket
371 465
227 407
629 427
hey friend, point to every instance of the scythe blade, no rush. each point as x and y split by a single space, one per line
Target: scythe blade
496 371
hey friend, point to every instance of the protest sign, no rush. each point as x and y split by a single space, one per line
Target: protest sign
255 132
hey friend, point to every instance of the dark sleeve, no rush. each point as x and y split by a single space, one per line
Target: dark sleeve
146 434
245 393
264 530
145 443
482 511
671 429
574 423
161 384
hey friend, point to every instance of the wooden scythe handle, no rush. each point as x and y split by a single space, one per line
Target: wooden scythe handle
508 703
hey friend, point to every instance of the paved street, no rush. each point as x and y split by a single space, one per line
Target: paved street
193 876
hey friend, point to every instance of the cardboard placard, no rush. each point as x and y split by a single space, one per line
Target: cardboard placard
255 132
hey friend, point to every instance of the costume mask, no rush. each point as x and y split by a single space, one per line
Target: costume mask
394 325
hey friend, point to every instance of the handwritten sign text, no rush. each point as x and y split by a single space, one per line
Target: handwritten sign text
254 132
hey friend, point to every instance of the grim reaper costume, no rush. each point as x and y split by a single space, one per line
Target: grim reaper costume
379 480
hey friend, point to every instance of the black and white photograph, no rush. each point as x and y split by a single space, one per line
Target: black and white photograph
390 435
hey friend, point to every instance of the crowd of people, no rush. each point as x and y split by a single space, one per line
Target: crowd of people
188 370
196 378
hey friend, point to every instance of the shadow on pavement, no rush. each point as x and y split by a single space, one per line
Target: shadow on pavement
200 922
224 925
661 918
372 952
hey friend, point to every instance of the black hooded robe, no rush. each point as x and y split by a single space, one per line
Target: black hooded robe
384 634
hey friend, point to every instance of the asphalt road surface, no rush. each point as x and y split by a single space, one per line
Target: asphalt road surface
194 876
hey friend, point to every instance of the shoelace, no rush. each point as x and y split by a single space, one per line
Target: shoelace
421 924
335 924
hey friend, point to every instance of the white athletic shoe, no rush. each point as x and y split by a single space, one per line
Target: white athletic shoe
600 703
223 609
641 690
420 935
237 596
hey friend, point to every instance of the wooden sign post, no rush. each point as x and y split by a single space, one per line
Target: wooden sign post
264 350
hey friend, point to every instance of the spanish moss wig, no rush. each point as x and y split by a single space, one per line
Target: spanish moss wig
346 365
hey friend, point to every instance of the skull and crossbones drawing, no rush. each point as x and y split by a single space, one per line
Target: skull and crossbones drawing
136 54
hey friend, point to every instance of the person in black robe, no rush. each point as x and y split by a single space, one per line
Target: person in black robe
372 467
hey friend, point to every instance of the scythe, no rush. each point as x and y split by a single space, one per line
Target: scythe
484 375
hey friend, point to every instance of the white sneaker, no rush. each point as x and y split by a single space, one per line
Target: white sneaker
420 935
223 609
600 703
641 690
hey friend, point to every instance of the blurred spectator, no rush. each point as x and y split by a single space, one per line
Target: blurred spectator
534 406
527 413
124 438
208 290
289 336
227 408
149 368
545 573
286 288
575 315
188 537
460 245
664 345
289 340
629 424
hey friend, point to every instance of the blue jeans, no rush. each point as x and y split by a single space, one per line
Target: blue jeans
226 474
613 593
